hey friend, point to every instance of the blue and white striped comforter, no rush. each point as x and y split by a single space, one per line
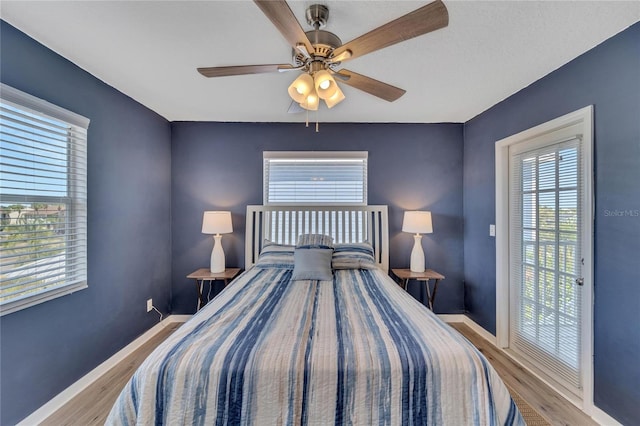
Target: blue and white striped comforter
358 350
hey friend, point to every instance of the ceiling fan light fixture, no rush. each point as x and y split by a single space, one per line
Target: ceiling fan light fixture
335 99
325 84
312 102
301 87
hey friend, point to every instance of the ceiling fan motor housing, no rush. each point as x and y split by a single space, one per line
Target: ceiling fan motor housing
317 15
323 42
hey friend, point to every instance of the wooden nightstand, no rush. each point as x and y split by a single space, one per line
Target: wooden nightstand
205 274
429 274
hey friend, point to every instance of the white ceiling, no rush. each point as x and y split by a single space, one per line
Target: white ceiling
150 50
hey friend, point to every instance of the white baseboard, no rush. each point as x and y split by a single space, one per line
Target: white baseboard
595 413
603 418
178 318
66 395
452 317
481 331
462 318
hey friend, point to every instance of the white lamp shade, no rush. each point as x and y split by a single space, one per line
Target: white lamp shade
325 84
417 222
335 99
301 87
311 102
217 222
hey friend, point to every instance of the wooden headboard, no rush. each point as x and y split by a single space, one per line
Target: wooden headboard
346 224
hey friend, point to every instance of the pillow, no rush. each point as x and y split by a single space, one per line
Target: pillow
353 256
314 240
318 246
275 256
266 242
312 264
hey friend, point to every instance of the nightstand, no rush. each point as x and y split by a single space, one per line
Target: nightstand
429 274
205 274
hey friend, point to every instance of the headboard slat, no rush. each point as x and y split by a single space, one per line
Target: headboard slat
282 224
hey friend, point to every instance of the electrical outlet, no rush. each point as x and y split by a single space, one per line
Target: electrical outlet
492 230
149 305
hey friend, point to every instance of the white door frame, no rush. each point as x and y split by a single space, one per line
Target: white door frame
583 117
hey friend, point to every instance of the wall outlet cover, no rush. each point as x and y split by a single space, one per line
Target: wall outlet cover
149 305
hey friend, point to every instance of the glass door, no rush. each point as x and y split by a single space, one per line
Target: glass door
545 251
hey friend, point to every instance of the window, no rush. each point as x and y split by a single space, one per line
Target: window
315 177
43 173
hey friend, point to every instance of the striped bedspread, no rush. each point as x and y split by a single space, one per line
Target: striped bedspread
358 350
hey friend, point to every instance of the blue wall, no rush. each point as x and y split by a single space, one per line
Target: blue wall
48 347
608 77
411 166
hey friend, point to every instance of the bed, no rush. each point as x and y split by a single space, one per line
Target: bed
351 349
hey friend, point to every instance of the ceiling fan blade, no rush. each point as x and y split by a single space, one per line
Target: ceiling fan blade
282 17
373 87
242 70
295 108
421 21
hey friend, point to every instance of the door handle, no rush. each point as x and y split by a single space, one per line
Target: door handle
580 281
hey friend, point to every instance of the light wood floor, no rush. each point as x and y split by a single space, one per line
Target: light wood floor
92 406
547 402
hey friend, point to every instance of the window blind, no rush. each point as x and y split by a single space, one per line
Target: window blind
315 177
545 248
43 232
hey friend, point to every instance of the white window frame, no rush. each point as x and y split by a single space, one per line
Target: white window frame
551 129
76 215
314 155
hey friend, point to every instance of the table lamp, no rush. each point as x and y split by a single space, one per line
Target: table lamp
418 222
217 223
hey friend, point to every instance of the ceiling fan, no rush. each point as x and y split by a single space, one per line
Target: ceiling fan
318 53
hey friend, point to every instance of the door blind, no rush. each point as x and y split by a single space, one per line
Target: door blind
545 254
43 233
315 178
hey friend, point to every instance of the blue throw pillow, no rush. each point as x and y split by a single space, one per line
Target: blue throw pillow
312 264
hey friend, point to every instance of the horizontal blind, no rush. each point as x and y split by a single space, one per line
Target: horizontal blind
546 198
315 178
43 235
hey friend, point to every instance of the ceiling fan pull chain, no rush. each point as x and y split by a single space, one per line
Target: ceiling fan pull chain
307 117
317 125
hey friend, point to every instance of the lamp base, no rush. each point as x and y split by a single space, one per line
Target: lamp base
217 255
417 254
